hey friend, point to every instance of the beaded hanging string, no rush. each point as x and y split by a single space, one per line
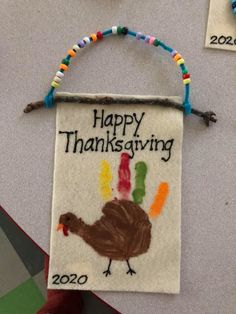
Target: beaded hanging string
119 30
233 6
49 100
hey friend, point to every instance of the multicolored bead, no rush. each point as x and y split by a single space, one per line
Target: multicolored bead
121 30
99 35
81 44
86 40
151 40
177 57
138 35
65 61
57 79
173 53
180 61
76 48
60 74
156 42
54 84
94 37
186 78
72 53
147 38
114 30
63 67
124 30
187 81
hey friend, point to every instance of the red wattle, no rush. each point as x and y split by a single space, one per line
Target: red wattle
65 231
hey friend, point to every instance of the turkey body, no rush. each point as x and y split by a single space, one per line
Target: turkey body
123 231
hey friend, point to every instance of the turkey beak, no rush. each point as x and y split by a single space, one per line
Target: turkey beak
60 227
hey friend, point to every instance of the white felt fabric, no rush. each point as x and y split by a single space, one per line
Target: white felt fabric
76 189
221 28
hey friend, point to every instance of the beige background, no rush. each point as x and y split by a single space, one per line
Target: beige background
76 189
35 35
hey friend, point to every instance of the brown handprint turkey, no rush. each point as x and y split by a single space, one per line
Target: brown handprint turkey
124 229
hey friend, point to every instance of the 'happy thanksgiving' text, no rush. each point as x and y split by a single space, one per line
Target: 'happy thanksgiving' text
117 128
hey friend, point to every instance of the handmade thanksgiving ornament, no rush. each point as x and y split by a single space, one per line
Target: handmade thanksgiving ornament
117 184
124 230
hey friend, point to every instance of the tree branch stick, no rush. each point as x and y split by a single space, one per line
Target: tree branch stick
108 99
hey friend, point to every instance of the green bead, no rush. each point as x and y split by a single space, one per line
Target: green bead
125 30
119 30
184 71
65 61
156 42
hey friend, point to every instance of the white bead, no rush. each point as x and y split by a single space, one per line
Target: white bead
57 79
59 74
87 40
76 48
114 30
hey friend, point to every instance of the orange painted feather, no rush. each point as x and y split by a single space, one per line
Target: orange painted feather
159 200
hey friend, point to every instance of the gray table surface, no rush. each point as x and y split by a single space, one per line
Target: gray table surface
35 35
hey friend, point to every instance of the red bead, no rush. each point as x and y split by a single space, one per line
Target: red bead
186 76
99 35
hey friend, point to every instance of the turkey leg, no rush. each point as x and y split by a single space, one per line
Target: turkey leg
107 271
130 271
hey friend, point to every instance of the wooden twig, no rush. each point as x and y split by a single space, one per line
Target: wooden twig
107 99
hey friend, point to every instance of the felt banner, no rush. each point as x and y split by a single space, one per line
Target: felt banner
221 27
116 198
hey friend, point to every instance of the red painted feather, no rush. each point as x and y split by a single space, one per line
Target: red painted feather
124 185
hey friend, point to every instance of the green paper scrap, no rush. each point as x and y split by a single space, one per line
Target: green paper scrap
25 299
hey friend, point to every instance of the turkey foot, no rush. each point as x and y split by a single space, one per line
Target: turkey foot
107 271
130 271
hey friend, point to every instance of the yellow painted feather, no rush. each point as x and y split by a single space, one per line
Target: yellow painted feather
105 178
